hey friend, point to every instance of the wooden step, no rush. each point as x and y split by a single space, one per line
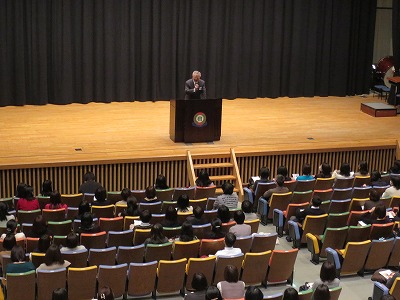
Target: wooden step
219 191
222 177
212 165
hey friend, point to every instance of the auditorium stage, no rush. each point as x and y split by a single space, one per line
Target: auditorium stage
56 135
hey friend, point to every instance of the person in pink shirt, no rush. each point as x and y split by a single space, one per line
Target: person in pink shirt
27 200
55 201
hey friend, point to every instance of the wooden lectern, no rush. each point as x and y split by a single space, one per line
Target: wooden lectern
195 121
394 89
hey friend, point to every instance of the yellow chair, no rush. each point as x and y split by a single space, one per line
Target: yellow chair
254 267
203 265
185 249
72 200
82 282
128 220
106 211
170 276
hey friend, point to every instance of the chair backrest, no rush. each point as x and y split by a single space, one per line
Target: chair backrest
281 266
60 240
210 215
31 244
355 255
378 254
254 224
335 292
111 224
128 220
395 290
291 211
170 275
104 256
56 215
120 238
167 204
339 206
27 216
72 213
210 203
304 185
172 232
342 193
21 285
306 295
222 262
141 278
337 220
82 282
106 211
361 192
157 218
200 230
324 183
185 249
158 252
278 201
255 266
182 216
354 217
263 242
203 265
381 231
324 195
88 197
314 224
43 200
77 223
49 280
261 188
154 207
72 200
140 235
120 209
333 238
165 195
202 202
395 201
37 258
78 258
244 243
226 226
358 233
302 197
360 181
114 197
381 189
139 195
357 204
130 254
205 192
111 276
394 258
343 183
209 246
190 192
60 228
290 184
94 240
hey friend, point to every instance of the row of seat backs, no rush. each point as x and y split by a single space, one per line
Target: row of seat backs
307 294
381 289
152 277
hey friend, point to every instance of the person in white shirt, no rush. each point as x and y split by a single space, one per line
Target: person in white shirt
394 190
230 240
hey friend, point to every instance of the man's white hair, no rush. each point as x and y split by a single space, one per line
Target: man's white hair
196 73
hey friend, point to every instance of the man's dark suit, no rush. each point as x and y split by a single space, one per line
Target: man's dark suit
190 93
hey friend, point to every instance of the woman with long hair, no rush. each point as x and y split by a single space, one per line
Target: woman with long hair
55 202
157 235
4 215
187 234
53 259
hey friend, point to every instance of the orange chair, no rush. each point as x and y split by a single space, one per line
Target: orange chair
111 224
281 266
209 246
56 215
94 240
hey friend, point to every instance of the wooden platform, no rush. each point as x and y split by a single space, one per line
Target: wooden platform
55 135
378 109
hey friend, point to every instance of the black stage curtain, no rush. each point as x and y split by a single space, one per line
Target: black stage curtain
396 34
63 51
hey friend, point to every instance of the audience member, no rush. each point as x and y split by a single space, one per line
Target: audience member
183 204
376 179
55 202
87 224
53 259
374 200
89 185
161 183
106 293
306 173
101 197
395 169
27 201
223 214
290 294
362 169
321 292
47 188
60 294
394 190
387 297
200 285
279 189
229 250
264 178
18 263
157 235
4 215
125 194
231 287
144 222
39 228
213 293
240 229
12 228
186 234
325 171
313 210
83 207
377 215
19 190
203 180
282 170
216 230
327 276
344 172
72 243
171 218
132 209
150 195
43 244
229 198
8 243
247 208
197 217
253 293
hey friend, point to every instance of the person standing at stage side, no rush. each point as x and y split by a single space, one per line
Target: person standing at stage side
195 88
90 185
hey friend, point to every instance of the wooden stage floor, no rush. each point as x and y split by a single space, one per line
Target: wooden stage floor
32 136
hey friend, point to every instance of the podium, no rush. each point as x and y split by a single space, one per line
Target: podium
394 89
195 121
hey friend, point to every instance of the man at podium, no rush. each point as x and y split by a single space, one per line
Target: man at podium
195 88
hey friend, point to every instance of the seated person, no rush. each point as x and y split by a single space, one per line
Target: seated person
53 259
290 294
197 217
183 205
43 244
4 215
216 230
199 284
231 287
376 179
186 234
282 170
223 214
8 243
161 183
229 250
279 189
229 198
171 218
377 215
213 293
12 228
327 276
132 208
253 293
55 202
89 185
325 171
157 235
264 178
247 208
18 262
39 228
150 195
240 229
144 222
83 207
203 179
394 190
306 173
374 200
101 197
72 243
125 194
344 172
362 169
87 224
